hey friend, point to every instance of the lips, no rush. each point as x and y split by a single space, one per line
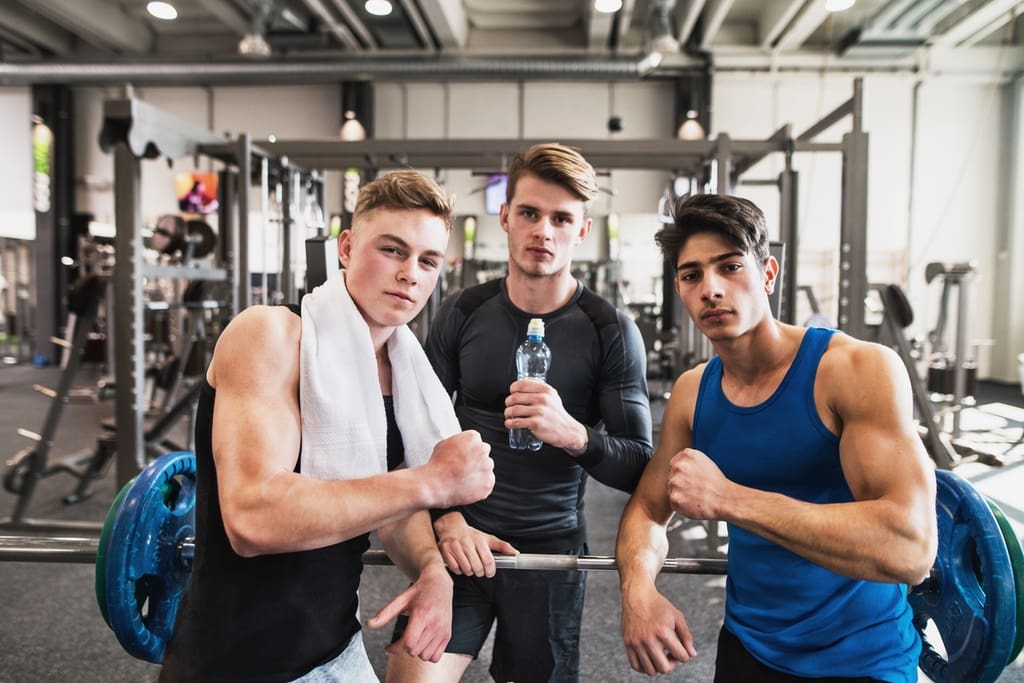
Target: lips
539 251
401 295
714 314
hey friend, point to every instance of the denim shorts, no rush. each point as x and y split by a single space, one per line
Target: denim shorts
351 666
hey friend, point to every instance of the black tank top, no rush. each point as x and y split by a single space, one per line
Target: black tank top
265 618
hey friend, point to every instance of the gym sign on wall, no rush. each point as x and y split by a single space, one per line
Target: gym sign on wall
42 154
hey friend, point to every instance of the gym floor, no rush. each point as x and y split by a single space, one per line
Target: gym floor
51 628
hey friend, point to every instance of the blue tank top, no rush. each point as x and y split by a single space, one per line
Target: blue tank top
791 614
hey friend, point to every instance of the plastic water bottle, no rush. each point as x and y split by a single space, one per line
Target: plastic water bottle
533 358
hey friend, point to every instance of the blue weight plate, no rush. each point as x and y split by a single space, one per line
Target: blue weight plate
970 597
145 578
101 552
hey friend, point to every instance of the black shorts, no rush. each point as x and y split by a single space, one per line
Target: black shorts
734 664
538 615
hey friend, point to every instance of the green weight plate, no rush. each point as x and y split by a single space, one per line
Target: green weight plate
101 551
1017 560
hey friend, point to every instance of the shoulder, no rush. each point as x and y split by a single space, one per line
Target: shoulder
469 299
683 398
855 370
260 338
846 354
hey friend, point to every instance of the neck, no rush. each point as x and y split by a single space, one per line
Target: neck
540 295
760 352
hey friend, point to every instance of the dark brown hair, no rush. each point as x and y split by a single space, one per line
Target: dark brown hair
737 220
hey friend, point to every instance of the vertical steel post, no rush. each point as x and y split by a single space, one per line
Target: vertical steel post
129 365
853 231
240 260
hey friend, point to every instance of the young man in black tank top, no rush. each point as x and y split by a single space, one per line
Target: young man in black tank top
273 591
597 379
803 441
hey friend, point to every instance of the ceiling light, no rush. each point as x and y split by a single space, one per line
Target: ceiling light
254 45
162 10
607 6
378 8
351 129
691 128
838 5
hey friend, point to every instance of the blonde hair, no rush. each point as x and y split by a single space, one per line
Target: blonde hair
557 164
405 190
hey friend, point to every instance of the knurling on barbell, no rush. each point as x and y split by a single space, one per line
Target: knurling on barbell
971 595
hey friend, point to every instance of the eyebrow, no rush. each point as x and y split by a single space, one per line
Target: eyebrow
714 259
556 212
402 243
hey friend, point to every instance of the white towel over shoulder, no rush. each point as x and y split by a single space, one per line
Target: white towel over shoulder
344 429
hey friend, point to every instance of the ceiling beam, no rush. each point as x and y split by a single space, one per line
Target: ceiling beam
597 26
812 16
449 22
229 15
625 19
33 30
687 14
714 16
986 18
418 25
356 24
910 19
775 17
338 30
99 23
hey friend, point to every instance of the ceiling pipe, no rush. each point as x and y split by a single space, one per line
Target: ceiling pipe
284 72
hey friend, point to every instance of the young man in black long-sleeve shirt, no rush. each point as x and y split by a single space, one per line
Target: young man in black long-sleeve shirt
597 377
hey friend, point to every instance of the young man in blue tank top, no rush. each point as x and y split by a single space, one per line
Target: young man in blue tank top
803 441
273 591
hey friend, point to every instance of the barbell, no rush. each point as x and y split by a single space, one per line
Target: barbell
143 560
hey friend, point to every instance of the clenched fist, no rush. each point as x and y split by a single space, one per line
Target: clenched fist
461 470
696 486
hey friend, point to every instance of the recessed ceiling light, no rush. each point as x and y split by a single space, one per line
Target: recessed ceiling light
378 8
162 10
838 5
607 6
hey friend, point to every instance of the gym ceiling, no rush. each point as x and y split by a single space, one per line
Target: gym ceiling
728 34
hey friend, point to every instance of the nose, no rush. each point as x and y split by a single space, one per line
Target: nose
543 229
712 289
407 272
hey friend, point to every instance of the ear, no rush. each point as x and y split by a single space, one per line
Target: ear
585 228
503 216
771 273
345 247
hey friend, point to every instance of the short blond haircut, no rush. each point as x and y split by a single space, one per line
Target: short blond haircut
405 191
558 164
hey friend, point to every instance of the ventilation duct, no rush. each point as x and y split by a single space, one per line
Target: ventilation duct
285 72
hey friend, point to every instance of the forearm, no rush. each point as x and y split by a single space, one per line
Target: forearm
640 549
874 540
289 512
615 461
410 544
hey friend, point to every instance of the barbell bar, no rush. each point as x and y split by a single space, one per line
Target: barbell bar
83 550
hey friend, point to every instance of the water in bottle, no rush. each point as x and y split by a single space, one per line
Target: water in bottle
533 358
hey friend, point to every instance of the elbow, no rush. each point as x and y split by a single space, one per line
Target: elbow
914 564
921 563
246 534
